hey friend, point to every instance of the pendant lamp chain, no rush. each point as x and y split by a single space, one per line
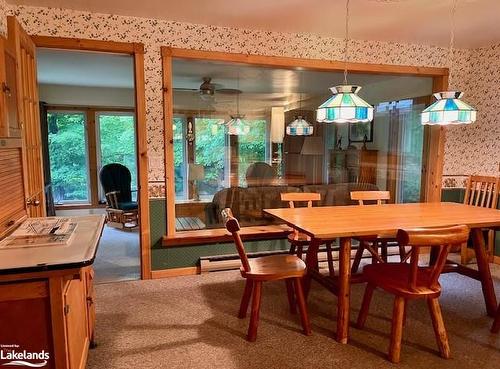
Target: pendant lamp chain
346 45
453 10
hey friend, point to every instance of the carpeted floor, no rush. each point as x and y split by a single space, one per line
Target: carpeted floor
190 322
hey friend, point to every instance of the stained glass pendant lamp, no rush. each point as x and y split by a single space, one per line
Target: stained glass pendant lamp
236 126
345 106
300 126
448 109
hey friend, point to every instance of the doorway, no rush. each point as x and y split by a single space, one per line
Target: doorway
88 114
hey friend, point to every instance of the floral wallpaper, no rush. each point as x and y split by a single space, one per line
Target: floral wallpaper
463 146
3 20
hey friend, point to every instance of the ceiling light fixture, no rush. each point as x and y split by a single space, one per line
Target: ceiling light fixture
448 108
345 106
300 126
236 126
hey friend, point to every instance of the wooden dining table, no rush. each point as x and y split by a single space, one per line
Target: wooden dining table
347 222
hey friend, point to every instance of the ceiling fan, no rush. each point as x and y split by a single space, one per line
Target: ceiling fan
209 89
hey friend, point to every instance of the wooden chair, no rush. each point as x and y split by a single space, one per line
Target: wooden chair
297 239
481 191
409 281
495 328
268 268
372 243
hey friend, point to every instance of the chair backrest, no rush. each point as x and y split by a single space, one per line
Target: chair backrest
482 191
377 196
233 227
260 174
116 177
442 238
293 197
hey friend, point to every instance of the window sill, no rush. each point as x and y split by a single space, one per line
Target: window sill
75 206
221 235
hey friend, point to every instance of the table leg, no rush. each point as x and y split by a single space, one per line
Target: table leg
311 263
344 290
484 272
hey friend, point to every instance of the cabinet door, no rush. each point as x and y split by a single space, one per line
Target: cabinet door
77 338
89 273
10 124
28 111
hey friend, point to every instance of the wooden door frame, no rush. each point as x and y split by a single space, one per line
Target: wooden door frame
137 51
434 135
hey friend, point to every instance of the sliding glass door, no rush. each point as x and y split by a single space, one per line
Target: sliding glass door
116 143
68 154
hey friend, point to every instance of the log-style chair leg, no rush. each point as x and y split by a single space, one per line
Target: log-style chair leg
402 253
383 246
329 256
299 251
245 300
254 317
291 296
464 254
301 301
495 328
357 257
439 329
397 329
365 306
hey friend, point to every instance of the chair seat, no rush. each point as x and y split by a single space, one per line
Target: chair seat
300 239
127 206
393 278
275 267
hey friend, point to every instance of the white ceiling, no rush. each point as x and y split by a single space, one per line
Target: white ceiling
415 21
88 69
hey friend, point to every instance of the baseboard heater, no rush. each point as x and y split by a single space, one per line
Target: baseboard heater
218 263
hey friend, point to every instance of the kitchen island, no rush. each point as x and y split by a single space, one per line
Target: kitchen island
47 300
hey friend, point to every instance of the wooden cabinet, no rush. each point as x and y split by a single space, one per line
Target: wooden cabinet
61 320
10 124
77 333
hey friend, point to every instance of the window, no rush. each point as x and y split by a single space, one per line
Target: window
248 168
69 166
81 142
116 142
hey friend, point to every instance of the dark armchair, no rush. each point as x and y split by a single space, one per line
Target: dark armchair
116 182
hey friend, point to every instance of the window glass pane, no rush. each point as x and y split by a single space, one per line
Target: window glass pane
247 169
252 148
210 153
68 157
179 157
117 142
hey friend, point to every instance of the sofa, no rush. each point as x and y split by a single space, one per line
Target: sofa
247 203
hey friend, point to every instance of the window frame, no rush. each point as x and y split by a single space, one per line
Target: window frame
433 136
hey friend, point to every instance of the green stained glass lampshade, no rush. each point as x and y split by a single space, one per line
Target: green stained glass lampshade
345 106
237 126
449 109
299 127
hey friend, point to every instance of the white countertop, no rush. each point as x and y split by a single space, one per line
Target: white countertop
80 250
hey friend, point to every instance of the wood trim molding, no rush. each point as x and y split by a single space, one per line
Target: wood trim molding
137 51
174 272
287 62
220 235
89 45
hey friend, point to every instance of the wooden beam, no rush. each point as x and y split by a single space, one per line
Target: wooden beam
434 137
169 144
142 164
88 45
295 63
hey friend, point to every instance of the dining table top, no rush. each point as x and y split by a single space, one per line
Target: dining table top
327 222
